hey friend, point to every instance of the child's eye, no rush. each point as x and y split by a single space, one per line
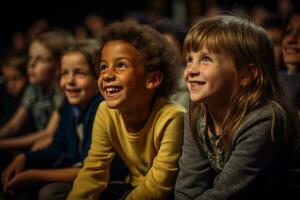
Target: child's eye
121 65
103 68
63 73
188 60
81 73
207 59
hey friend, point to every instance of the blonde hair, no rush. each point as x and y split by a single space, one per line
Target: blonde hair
246 43
56 41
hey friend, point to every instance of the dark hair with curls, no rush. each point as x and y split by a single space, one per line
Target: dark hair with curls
155 52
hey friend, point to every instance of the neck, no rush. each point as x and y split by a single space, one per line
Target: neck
293 69
217 114
135 120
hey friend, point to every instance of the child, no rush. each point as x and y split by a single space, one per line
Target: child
15 80
42 97
241 140
138 73
60 162
290 78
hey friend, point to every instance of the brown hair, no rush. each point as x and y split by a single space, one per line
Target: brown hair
90 50
56 42
247 43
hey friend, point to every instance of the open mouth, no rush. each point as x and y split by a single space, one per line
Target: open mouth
292 50
73 92
195 83
112 91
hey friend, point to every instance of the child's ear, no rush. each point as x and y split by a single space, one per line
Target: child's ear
153 79
247 74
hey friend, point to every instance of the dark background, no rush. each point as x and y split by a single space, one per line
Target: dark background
18 15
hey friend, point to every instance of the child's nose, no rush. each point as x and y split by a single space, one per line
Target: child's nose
193 69
71 78
109 75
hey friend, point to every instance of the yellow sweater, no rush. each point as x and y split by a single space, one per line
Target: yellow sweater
151 155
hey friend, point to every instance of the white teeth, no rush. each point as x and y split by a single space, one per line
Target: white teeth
291 51
112 89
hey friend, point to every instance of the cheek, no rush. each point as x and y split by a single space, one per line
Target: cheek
99 81
62 82
285 40
185 74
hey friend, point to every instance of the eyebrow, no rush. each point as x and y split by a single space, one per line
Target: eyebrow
118 59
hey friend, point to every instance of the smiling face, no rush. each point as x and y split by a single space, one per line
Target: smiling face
77 80
210 77
291 42
122 79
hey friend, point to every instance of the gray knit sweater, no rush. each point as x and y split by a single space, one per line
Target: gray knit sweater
255 167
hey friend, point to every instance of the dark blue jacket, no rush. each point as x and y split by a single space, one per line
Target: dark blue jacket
64 150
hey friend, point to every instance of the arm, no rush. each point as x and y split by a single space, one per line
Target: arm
15 123
42 175
253 152
94 175
29 139
13 169
159 181
195 173
42 143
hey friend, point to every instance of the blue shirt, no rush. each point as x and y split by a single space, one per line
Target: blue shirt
64 150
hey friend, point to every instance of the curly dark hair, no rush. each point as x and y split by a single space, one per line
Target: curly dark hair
155 51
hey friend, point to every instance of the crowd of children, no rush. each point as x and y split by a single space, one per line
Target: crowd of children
125 111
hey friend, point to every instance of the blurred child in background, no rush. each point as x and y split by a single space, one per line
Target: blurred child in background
290 77
57 165
42 97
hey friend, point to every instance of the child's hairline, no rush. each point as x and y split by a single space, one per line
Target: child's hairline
140 55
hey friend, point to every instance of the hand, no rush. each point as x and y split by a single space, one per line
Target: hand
14 168
20 180
42 143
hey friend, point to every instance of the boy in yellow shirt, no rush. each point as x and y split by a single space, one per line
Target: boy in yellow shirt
138 73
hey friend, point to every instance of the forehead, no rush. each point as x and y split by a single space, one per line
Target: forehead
119 48
74 60
38 48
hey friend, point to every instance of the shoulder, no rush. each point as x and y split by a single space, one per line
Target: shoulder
104 113
31 89
167 113
267 112
58 98
168 107
262 122
29 95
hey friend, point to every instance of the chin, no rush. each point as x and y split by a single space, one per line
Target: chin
73 101
112 104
